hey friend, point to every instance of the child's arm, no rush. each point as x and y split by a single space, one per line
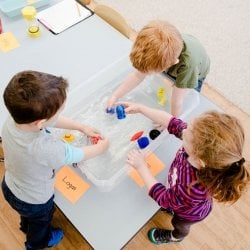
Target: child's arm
75 154
158 116
127 85
67 123
96 149
136 160
178 95
163 196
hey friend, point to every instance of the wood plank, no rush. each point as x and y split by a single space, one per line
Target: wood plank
8 239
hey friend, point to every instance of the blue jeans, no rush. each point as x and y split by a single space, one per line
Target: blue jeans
35 219
199 83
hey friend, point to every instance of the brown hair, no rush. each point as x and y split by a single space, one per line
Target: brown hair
218 141
157 47
32 95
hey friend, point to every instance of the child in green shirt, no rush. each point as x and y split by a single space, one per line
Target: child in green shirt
159 47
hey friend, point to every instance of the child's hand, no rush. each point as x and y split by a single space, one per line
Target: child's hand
111 102
103 143
159 126
91 132
131 108
136 159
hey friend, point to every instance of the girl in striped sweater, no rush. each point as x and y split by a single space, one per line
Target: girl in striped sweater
208 165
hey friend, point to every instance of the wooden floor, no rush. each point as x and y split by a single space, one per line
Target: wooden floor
227 227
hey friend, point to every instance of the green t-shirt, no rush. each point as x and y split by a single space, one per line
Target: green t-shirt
193 64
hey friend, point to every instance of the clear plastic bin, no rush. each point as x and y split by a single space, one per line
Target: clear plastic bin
107 170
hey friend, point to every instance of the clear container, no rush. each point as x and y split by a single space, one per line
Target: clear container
107 170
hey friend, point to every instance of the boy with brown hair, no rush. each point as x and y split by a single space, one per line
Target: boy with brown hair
32 155
159 47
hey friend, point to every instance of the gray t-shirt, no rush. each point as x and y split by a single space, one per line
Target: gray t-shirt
31 159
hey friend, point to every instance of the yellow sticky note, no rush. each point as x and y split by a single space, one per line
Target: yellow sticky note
70 184
8 42
155 165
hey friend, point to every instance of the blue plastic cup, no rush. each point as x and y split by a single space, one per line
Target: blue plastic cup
143 142
120 112
110 110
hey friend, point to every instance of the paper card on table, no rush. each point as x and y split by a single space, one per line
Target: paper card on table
63 15
155 165
8 42
70 184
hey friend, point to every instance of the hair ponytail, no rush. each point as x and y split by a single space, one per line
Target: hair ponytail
218 141
225 184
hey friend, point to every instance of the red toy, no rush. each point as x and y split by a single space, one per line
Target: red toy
94 139
136 136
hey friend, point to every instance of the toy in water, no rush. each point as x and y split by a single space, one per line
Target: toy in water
110 111
161 96
143 142
120 112
136 136
154 133
68 137
29 14
94 139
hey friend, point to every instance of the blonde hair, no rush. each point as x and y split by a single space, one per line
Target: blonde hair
157 47
218 141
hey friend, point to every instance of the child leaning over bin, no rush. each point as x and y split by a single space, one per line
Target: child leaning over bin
208 165
32 155
159 47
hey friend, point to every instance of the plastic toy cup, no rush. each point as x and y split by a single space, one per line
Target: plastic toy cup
143 142
68 137
120 112
136 136
110 111
94 139
154 133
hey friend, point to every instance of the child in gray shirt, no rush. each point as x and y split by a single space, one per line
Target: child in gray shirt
32 155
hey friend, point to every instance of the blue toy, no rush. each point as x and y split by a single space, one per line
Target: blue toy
110 111
120 112
143 142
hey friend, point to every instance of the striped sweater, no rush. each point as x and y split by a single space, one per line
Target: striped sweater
187 198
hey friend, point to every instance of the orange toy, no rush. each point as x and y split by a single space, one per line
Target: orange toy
68 137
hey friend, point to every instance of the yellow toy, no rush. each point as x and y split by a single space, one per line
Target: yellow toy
68 137
161 96
29 14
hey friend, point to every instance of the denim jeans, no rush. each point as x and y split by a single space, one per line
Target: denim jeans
199 85
35 219
197 88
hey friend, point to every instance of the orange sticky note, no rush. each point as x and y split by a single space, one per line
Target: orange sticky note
155 165
70 184
8 42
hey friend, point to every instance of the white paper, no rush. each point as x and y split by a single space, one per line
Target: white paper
63 15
